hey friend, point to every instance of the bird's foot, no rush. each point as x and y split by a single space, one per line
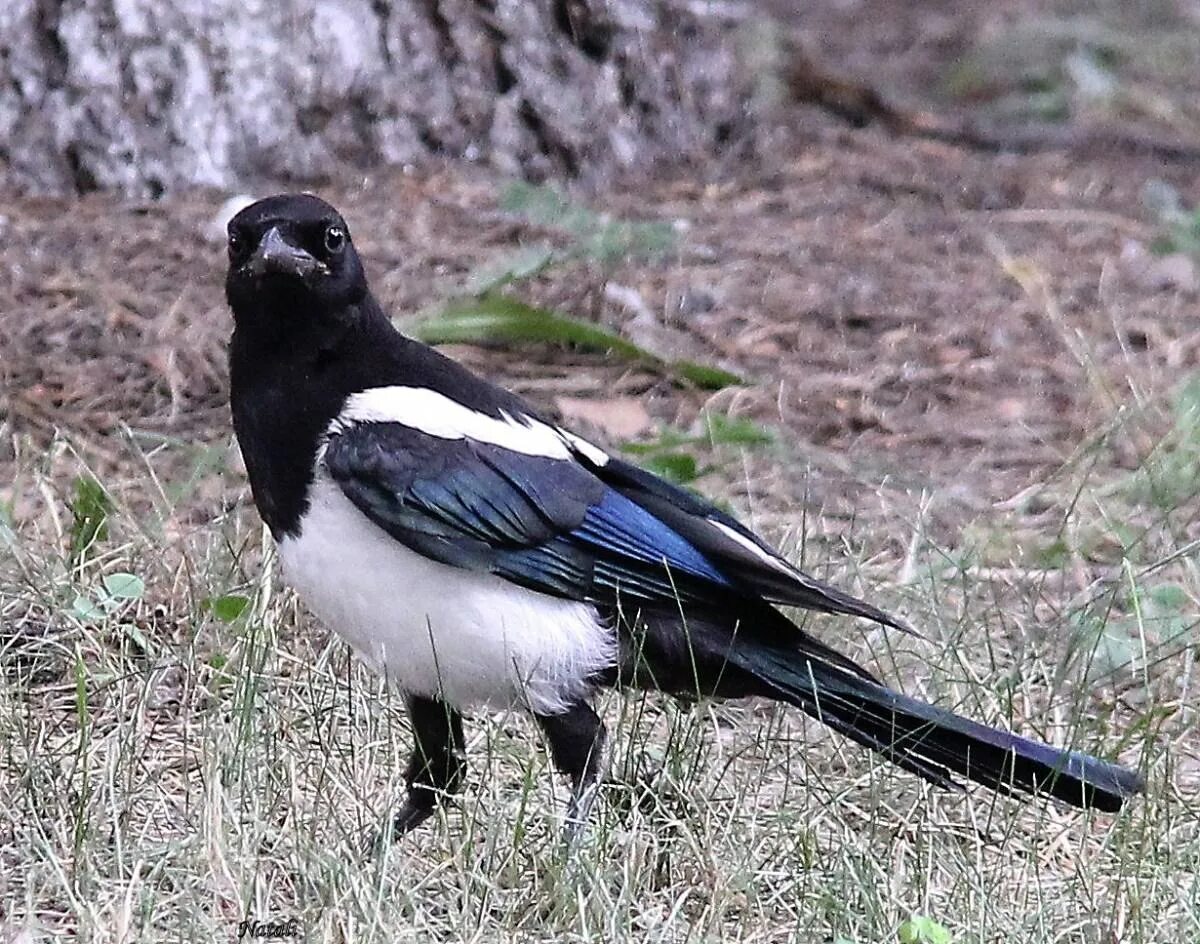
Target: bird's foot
411 816
579 811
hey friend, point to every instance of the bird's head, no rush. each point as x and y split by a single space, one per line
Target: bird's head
291 263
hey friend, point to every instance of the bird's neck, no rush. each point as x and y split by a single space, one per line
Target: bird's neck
285 390
286 329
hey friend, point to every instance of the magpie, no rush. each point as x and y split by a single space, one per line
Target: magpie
478 554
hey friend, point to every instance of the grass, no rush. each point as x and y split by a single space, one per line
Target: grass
193 752
493 318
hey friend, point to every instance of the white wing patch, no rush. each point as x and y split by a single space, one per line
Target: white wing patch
436 414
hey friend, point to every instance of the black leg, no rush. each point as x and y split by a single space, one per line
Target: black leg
577 739
436 766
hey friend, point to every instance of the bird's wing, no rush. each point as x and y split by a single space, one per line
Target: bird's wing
542 522
550 512
745 559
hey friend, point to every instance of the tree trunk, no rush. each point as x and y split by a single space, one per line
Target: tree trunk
145 95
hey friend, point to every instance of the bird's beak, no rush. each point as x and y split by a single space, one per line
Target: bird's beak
275 255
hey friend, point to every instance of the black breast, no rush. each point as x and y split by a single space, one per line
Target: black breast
281 409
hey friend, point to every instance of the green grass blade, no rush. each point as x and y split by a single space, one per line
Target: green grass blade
515 267
493 318
90 509
499 319
705 376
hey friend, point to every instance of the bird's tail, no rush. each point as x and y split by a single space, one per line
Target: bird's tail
929 741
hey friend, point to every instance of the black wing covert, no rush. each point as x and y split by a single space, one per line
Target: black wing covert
544 523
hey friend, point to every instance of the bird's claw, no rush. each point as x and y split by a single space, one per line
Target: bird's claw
411 816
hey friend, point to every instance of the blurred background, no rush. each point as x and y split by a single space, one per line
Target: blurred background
142 97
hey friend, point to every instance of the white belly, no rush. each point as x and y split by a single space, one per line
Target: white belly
436 630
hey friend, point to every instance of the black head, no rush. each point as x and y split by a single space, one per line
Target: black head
292 266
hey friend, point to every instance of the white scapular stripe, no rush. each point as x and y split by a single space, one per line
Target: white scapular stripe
594 454
435 414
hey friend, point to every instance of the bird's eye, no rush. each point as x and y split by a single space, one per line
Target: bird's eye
335 239
237 245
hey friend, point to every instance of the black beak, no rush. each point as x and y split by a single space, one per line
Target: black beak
275 255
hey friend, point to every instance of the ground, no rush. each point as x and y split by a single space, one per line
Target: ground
971 393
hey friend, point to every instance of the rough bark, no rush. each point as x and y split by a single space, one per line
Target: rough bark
146 95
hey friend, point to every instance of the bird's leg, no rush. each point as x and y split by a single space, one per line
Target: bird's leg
436 766
577 738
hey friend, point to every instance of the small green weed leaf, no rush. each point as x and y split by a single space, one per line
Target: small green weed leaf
1162 199
522 264
224 677
90 508
1183 235
122 587
920 929
705 376
736 431
228 607
615 241
1054 555
1187 404
1093 77
8 536
1125 534
678 467
1180 225
597 235
1169 598
720 430
1103 646
1163 245
1116 649
137 637
669 438
539 204
85 608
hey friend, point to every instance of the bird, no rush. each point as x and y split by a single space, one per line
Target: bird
480 555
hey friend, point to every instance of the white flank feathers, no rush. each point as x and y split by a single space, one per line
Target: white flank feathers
437 630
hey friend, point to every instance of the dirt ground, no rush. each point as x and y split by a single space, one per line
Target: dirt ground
863 280
869 285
